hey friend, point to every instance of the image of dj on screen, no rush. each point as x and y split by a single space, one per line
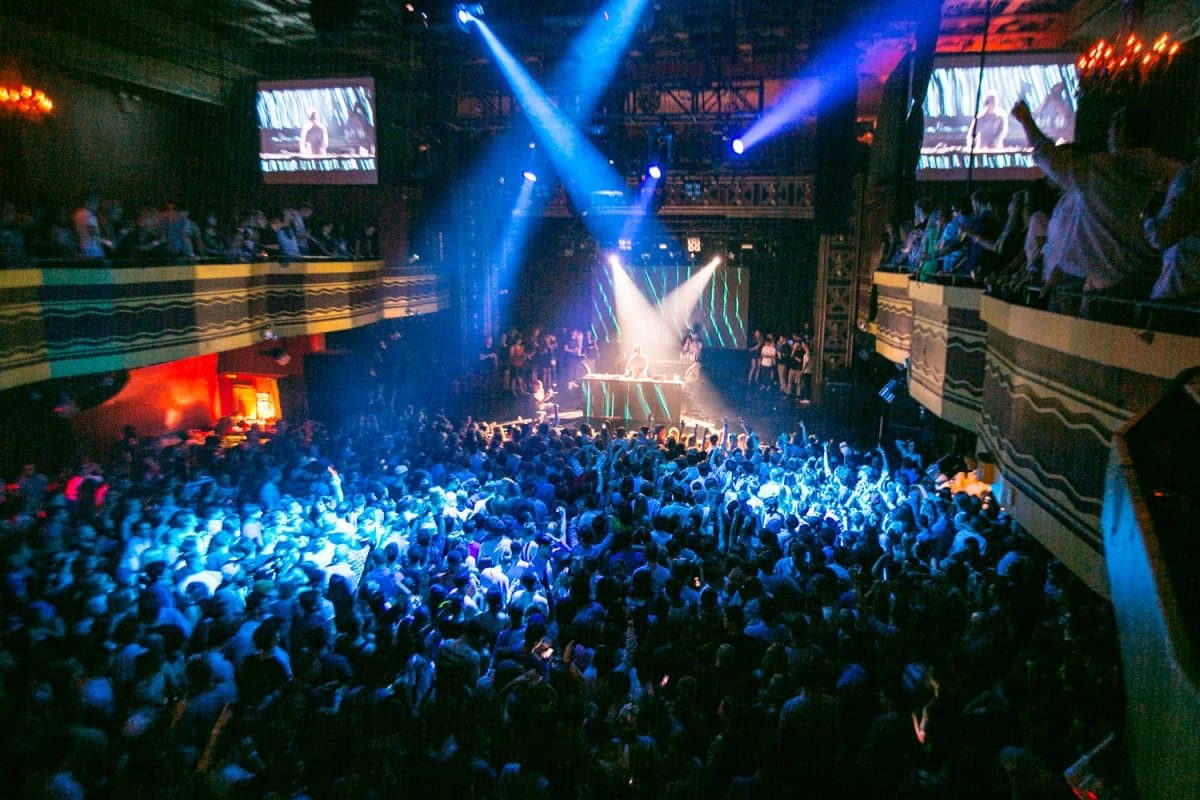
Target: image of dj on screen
314 136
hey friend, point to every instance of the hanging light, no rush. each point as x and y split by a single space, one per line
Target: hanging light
18 97
1130 58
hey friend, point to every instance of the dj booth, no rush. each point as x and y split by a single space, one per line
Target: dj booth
634 399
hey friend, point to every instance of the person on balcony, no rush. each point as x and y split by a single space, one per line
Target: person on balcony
1175 230
1095 232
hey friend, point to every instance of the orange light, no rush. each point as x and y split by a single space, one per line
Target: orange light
1174 49
1146 60
25 99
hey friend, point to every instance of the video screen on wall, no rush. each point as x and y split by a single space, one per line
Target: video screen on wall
317 131
717 310
1049 83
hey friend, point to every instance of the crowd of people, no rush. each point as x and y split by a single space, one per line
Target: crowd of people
1121 223
521 362
969 240
471 610
782 362
99 231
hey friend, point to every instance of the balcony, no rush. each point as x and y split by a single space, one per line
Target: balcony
893 324
947 351
731 196
65 321
1044 392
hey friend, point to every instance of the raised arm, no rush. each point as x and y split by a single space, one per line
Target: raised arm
1056 162
886 471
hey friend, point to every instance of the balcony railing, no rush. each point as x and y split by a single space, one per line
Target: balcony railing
72 319
1045 392
754 196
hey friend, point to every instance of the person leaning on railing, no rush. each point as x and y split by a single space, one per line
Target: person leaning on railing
1094 231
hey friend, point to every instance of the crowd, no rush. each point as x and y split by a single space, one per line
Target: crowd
466 610
1124 225
100 230
782 362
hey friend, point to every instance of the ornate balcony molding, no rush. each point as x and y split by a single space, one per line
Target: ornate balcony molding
1055 390
947 351
66 321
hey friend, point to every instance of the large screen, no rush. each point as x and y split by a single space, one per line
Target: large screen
317 131
1049 83
659 316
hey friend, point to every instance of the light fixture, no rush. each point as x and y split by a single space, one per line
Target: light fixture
18 97
1130 59
465 14
660 146
738 146
530 175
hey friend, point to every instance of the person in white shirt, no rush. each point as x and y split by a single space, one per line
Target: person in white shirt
1094 233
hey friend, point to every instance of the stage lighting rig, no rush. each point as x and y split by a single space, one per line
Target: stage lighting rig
660 146
465 14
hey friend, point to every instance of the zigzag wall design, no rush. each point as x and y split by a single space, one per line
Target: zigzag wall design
64 322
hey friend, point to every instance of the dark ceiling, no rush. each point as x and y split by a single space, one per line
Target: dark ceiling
234 39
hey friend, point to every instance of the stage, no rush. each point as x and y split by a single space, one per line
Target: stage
633 400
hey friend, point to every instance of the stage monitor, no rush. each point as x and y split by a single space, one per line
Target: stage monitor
317 131
1049 83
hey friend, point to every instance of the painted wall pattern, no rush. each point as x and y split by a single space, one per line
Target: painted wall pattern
70 321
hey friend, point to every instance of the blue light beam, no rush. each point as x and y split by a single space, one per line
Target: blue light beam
584 171
828 79
586 70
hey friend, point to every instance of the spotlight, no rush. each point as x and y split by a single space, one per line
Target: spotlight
530 175
660 144
614 262
464 15
739 146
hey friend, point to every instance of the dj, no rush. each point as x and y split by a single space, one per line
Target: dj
638 365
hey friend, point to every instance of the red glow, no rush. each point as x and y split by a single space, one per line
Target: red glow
165 397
